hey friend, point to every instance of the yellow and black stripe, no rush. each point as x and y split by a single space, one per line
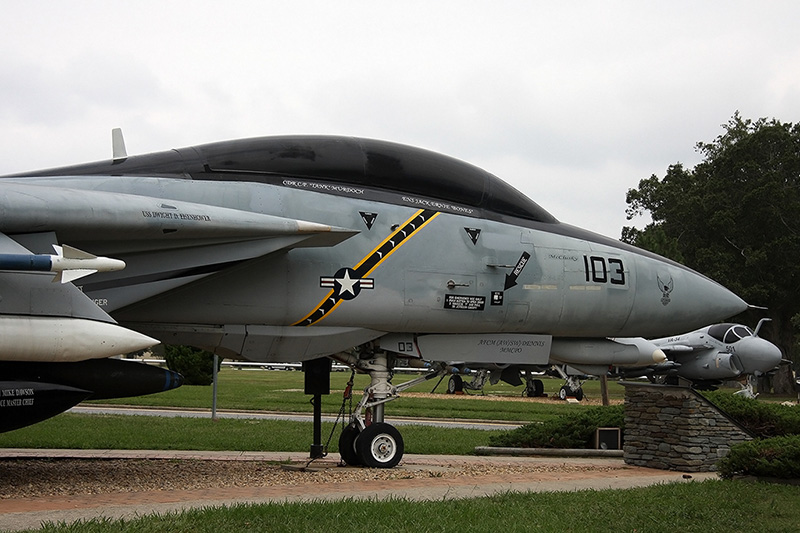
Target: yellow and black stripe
369 263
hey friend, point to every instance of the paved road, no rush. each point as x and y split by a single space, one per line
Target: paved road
300 417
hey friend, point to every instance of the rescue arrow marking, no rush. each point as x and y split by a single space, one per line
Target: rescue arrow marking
511 279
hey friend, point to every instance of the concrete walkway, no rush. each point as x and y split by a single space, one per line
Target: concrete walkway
561 474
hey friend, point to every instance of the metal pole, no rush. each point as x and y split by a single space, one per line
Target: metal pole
317 450
214 388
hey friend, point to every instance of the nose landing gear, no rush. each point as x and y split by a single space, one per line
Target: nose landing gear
368 440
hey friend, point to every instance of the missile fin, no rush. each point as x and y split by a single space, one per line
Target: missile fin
73 253
66 276
70 252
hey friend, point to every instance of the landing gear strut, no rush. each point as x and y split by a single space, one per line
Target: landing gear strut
457 385
747 388
534 387
572 386
368 440
570 390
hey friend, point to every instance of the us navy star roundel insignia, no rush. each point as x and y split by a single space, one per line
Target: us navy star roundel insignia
346 283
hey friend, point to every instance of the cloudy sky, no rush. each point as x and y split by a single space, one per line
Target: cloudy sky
571 102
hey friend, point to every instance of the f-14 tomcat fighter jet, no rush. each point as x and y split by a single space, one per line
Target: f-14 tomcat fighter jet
294 248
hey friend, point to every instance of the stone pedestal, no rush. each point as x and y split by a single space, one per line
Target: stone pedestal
675 428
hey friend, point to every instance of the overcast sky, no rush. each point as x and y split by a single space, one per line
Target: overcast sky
571 102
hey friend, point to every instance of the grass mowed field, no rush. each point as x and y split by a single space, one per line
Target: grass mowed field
708 507
121 432
283 391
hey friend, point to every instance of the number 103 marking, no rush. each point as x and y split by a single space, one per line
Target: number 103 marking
602 270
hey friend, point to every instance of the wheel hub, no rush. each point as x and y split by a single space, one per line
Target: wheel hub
383 448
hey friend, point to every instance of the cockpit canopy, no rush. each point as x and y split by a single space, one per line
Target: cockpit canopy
729 333
378 165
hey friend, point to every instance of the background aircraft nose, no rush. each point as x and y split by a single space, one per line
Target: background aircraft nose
757 354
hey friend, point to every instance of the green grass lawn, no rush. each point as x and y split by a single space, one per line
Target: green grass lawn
283 391
123 432
707 507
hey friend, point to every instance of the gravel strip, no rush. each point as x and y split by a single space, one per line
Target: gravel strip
25 478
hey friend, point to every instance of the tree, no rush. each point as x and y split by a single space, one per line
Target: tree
734 217
196 366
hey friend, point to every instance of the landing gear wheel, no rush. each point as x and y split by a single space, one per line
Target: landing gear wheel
456 384
535 389
565 392
380 446
347 445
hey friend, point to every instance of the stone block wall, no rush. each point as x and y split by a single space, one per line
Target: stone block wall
675 428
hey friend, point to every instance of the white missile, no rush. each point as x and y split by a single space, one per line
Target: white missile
69 263
72 264
63 339
612 351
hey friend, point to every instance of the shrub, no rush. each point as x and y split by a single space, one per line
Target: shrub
573 430
196 366
778 457
760 418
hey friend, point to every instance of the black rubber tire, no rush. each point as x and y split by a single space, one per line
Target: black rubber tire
535 389
455 384
566 392
347 445
380 446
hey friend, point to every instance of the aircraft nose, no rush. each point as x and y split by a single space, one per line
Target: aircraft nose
710 301
697 301
672 298
721 300
772 354
758 354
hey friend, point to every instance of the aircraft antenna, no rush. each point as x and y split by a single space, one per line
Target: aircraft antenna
761 323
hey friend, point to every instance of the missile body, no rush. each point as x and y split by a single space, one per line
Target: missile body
69 263
101 378
62 339
33 391
23 403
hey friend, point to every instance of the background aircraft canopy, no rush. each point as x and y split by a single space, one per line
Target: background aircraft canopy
729 333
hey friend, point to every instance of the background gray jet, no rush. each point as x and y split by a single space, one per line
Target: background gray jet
713 354
294 248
